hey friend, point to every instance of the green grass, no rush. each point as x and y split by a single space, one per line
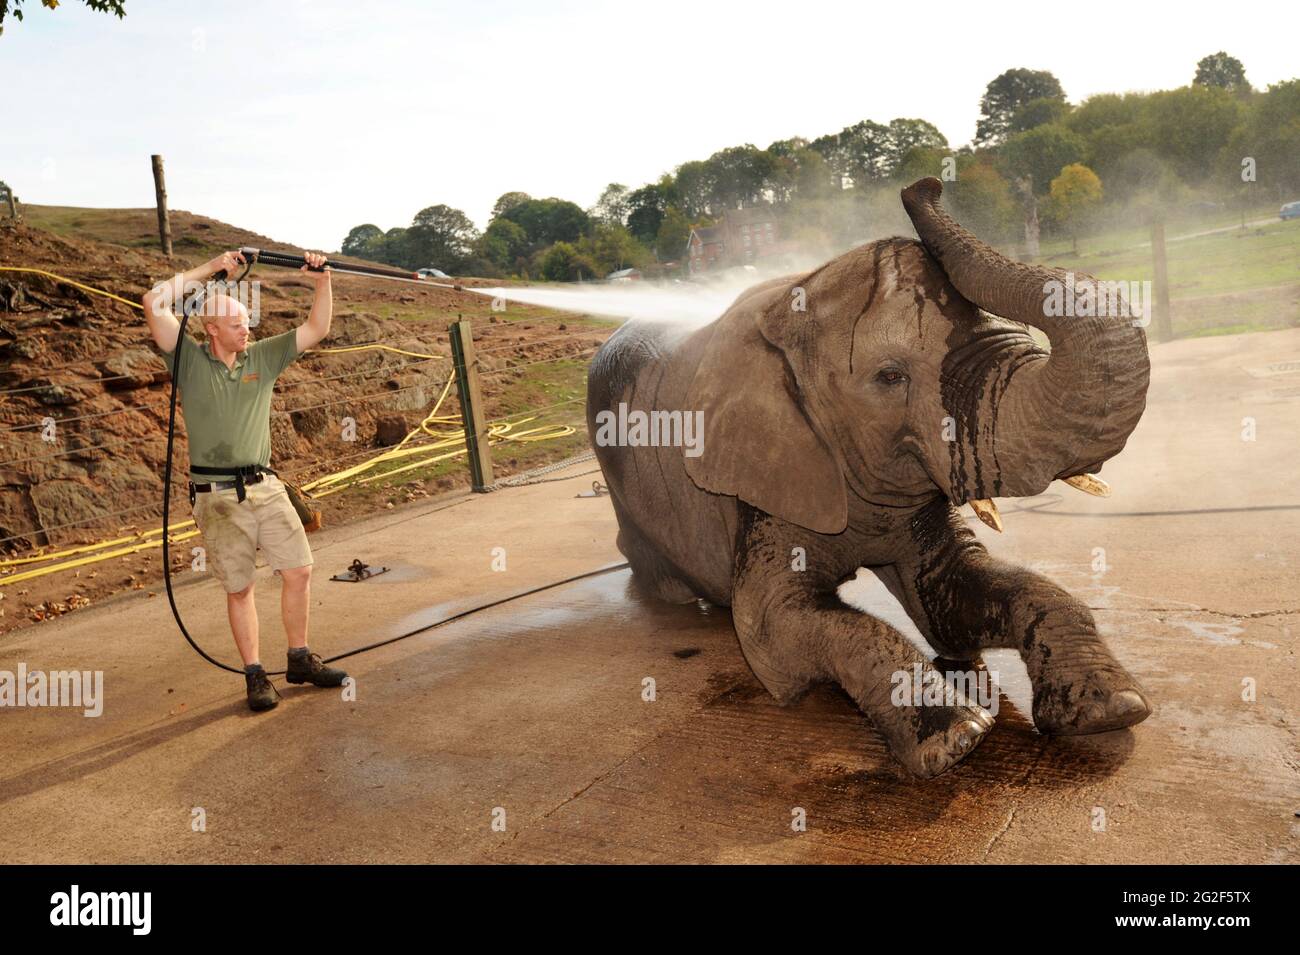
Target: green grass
1226 283
1261 257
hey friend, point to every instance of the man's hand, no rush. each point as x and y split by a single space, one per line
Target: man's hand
315 261
228 262
160 299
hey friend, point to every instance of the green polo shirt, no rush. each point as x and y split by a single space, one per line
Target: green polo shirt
228 410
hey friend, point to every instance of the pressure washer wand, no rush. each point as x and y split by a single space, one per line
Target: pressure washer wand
288 260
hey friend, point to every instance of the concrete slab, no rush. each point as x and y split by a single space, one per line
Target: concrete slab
534 710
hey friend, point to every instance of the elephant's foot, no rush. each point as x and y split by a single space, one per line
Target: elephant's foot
930 740
1083 689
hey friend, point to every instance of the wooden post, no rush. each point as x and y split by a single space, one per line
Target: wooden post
160 192
1029 205
471 405
11 200
1162 322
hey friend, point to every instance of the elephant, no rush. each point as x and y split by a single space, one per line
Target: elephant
845 415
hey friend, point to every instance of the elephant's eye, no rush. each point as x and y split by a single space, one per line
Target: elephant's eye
891 376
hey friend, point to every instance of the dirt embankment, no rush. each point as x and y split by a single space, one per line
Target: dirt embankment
84 391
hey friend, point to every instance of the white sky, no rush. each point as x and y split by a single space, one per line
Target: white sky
302 118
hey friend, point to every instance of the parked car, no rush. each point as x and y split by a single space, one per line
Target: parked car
432 274
1290 211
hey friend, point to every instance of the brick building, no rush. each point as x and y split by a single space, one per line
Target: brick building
742 236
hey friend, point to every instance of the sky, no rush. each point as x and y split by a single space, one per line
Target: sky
300 119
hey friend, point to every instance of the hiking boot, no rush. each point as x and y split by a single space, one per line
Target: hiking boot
261 694
308 668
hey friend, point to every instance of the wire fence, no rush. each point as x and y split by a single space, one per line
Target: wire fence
326 467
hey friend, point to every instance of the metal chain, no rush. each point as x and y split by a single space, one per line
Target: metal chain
530 477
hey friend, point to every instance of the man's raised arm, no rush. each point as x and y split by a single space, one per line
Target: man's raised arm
317 325
159 300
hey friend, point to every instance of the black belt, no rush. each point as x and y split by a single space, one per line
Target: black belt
245 474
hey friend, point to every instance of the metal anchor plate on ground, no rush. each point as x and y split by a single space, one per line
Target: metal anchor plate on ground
597 490
357 571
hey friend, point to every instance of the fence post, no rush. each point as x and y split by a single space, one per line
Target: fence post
11 200
1164 330
160 194
471 405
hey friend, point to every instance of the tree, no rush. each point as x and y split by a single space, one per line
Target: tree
1038 112
1271 136
504 244
611 247
1076 194
116 7
737 176
675 229
507 201
920 161
549 220
1104 109
787 147
1190 126
440 236
1223 71
983 201
695 187
645 212
563 263
394 249
612 206
906 135
861 152
1008 93
1042 153
1141 174
814 178
360 239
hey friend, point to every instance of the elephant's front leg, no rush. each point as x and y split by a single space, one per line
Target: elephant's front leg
795 632
965 601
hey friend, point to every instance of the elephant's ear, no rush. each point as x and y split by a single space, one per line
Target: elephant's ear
759 444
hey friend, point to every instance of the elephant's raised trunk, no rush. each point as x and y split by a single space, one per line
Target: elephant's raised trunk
1068 412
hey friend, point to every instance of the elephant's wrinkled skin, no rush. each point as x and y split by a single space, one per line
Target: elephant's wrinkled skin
852 429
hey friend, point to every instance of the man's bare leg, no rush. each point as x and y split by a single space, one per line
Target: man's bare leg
295 598
243 623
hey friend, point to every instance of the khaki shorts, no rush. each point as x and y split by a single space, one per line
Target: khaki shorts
232 531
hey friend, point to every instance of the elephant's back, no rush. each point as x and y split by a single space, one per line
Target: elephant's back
624 355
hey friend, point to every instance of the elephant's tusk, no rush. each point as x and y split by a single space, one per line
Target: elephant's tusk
1089 484
987 512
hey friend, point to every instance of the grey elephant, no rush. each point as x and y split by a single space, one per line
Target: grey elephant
843 415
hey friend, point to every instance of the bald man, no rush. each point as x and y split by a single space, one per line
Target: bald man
239 504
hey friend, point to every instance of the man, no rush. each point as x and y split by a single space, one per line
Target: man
238 505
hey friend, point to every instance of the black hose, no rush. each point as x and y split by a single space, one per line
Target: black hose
167 564
167 496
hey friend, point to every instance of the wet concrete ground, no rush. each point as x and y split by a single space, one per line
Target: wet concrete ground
532 713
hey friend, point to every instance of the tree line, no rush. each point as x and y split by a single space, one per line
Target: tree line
1033 149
